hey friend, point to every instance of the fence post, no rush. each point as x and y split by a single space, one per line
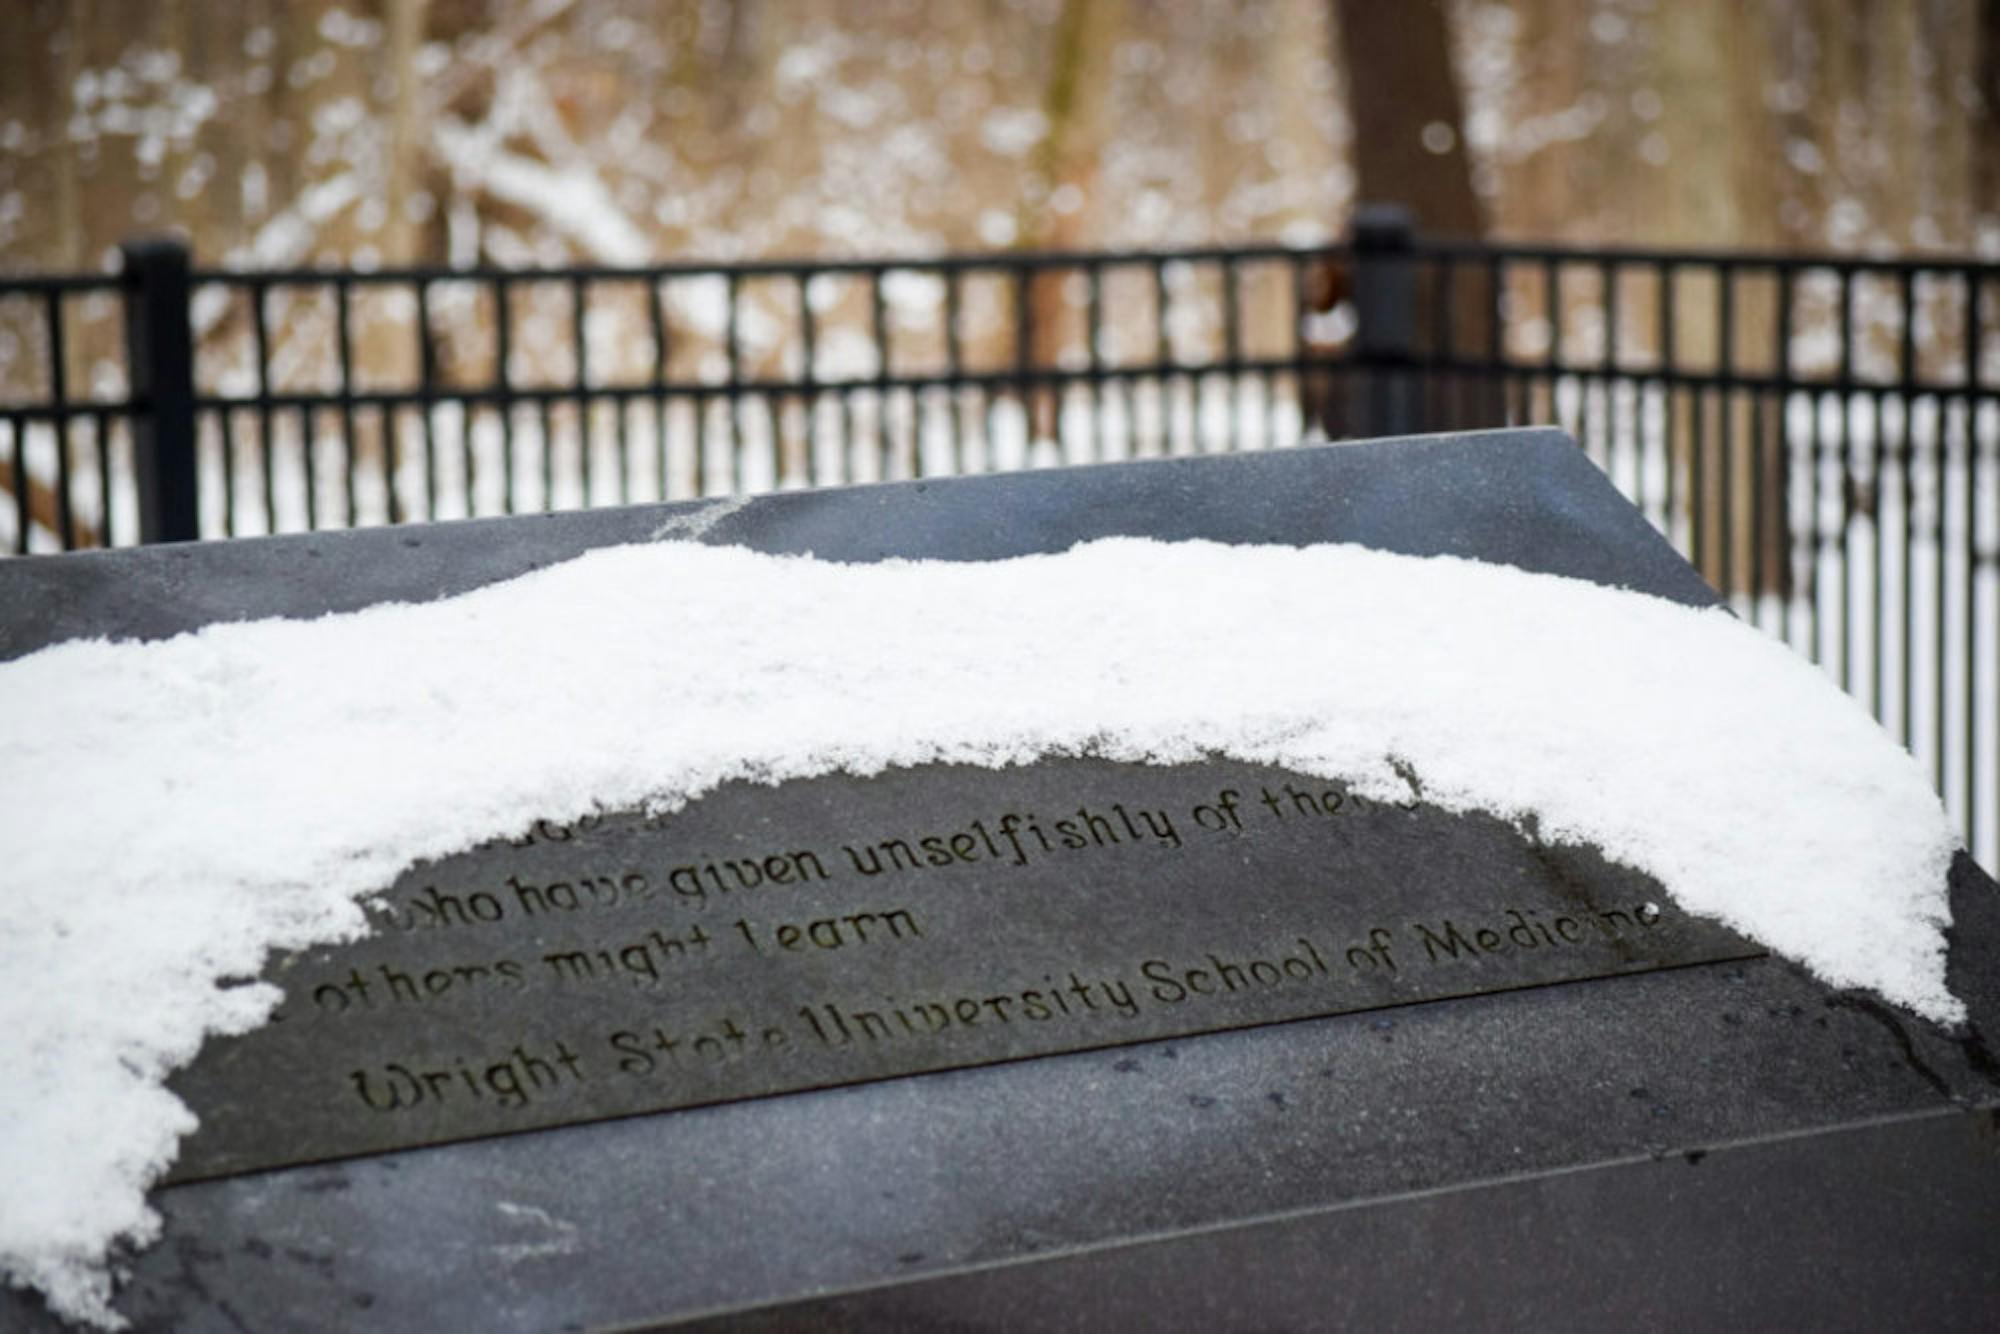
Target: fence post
159 359
1385 319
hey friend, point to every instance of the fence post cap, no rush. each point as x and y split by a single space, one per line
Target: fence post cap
164 248
1383 227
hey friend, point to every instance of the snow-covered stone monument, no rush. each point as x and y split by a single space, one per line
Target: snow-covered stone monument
1352 884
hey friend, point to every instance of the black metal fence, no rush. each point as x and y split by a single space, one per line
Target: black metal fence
1820 434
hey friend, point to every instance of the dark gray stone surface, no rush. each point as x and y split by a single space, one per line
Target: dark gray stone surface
1853 1144
1846 1231
1527 503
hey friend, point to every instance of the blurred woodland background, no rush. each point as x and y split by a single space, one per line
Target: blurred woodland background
379 132
515 134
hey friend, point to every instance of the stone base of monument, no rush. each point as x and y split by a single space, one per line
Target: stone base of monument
957 1048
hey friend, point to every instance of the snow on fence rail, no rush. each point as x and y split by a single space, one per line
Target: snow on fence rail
1819 434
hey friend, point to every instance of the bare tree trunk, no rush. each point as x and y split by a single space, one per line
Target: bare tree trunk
1065 165
1409 124
1409 149
1986 136
401 236
1725 144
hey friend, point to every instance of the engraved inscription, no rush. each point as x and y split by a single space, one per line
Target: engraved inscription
767 940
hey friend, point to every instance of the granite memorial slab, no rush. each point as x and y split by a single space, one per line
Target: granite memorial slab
838 930
1064 1044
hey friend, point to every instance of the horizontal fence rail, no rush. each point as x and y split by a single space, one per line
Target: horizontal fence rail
1820 435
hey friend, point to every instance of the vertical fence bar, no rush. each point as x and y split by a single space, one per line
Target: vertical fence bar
306 452
954 364
878 329
1822 617
1906 376
1940 604
808 376
1986 796
1776 468
1761 484
100 439
1196 383
1232 351
732 297
1669 464
1501 387
702 402
1193 384
306 471
159 356
1607 282
59 392
1163 355
503 355
1725 367
656 317
1093 337
1309 407
622 406
1844 319
580 353
1969 542
343 334
1878 619
394 450
1582 377
991 394
24 514
1024 332
1781 360
225 416
260 329
426 393
848 439
1553 309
